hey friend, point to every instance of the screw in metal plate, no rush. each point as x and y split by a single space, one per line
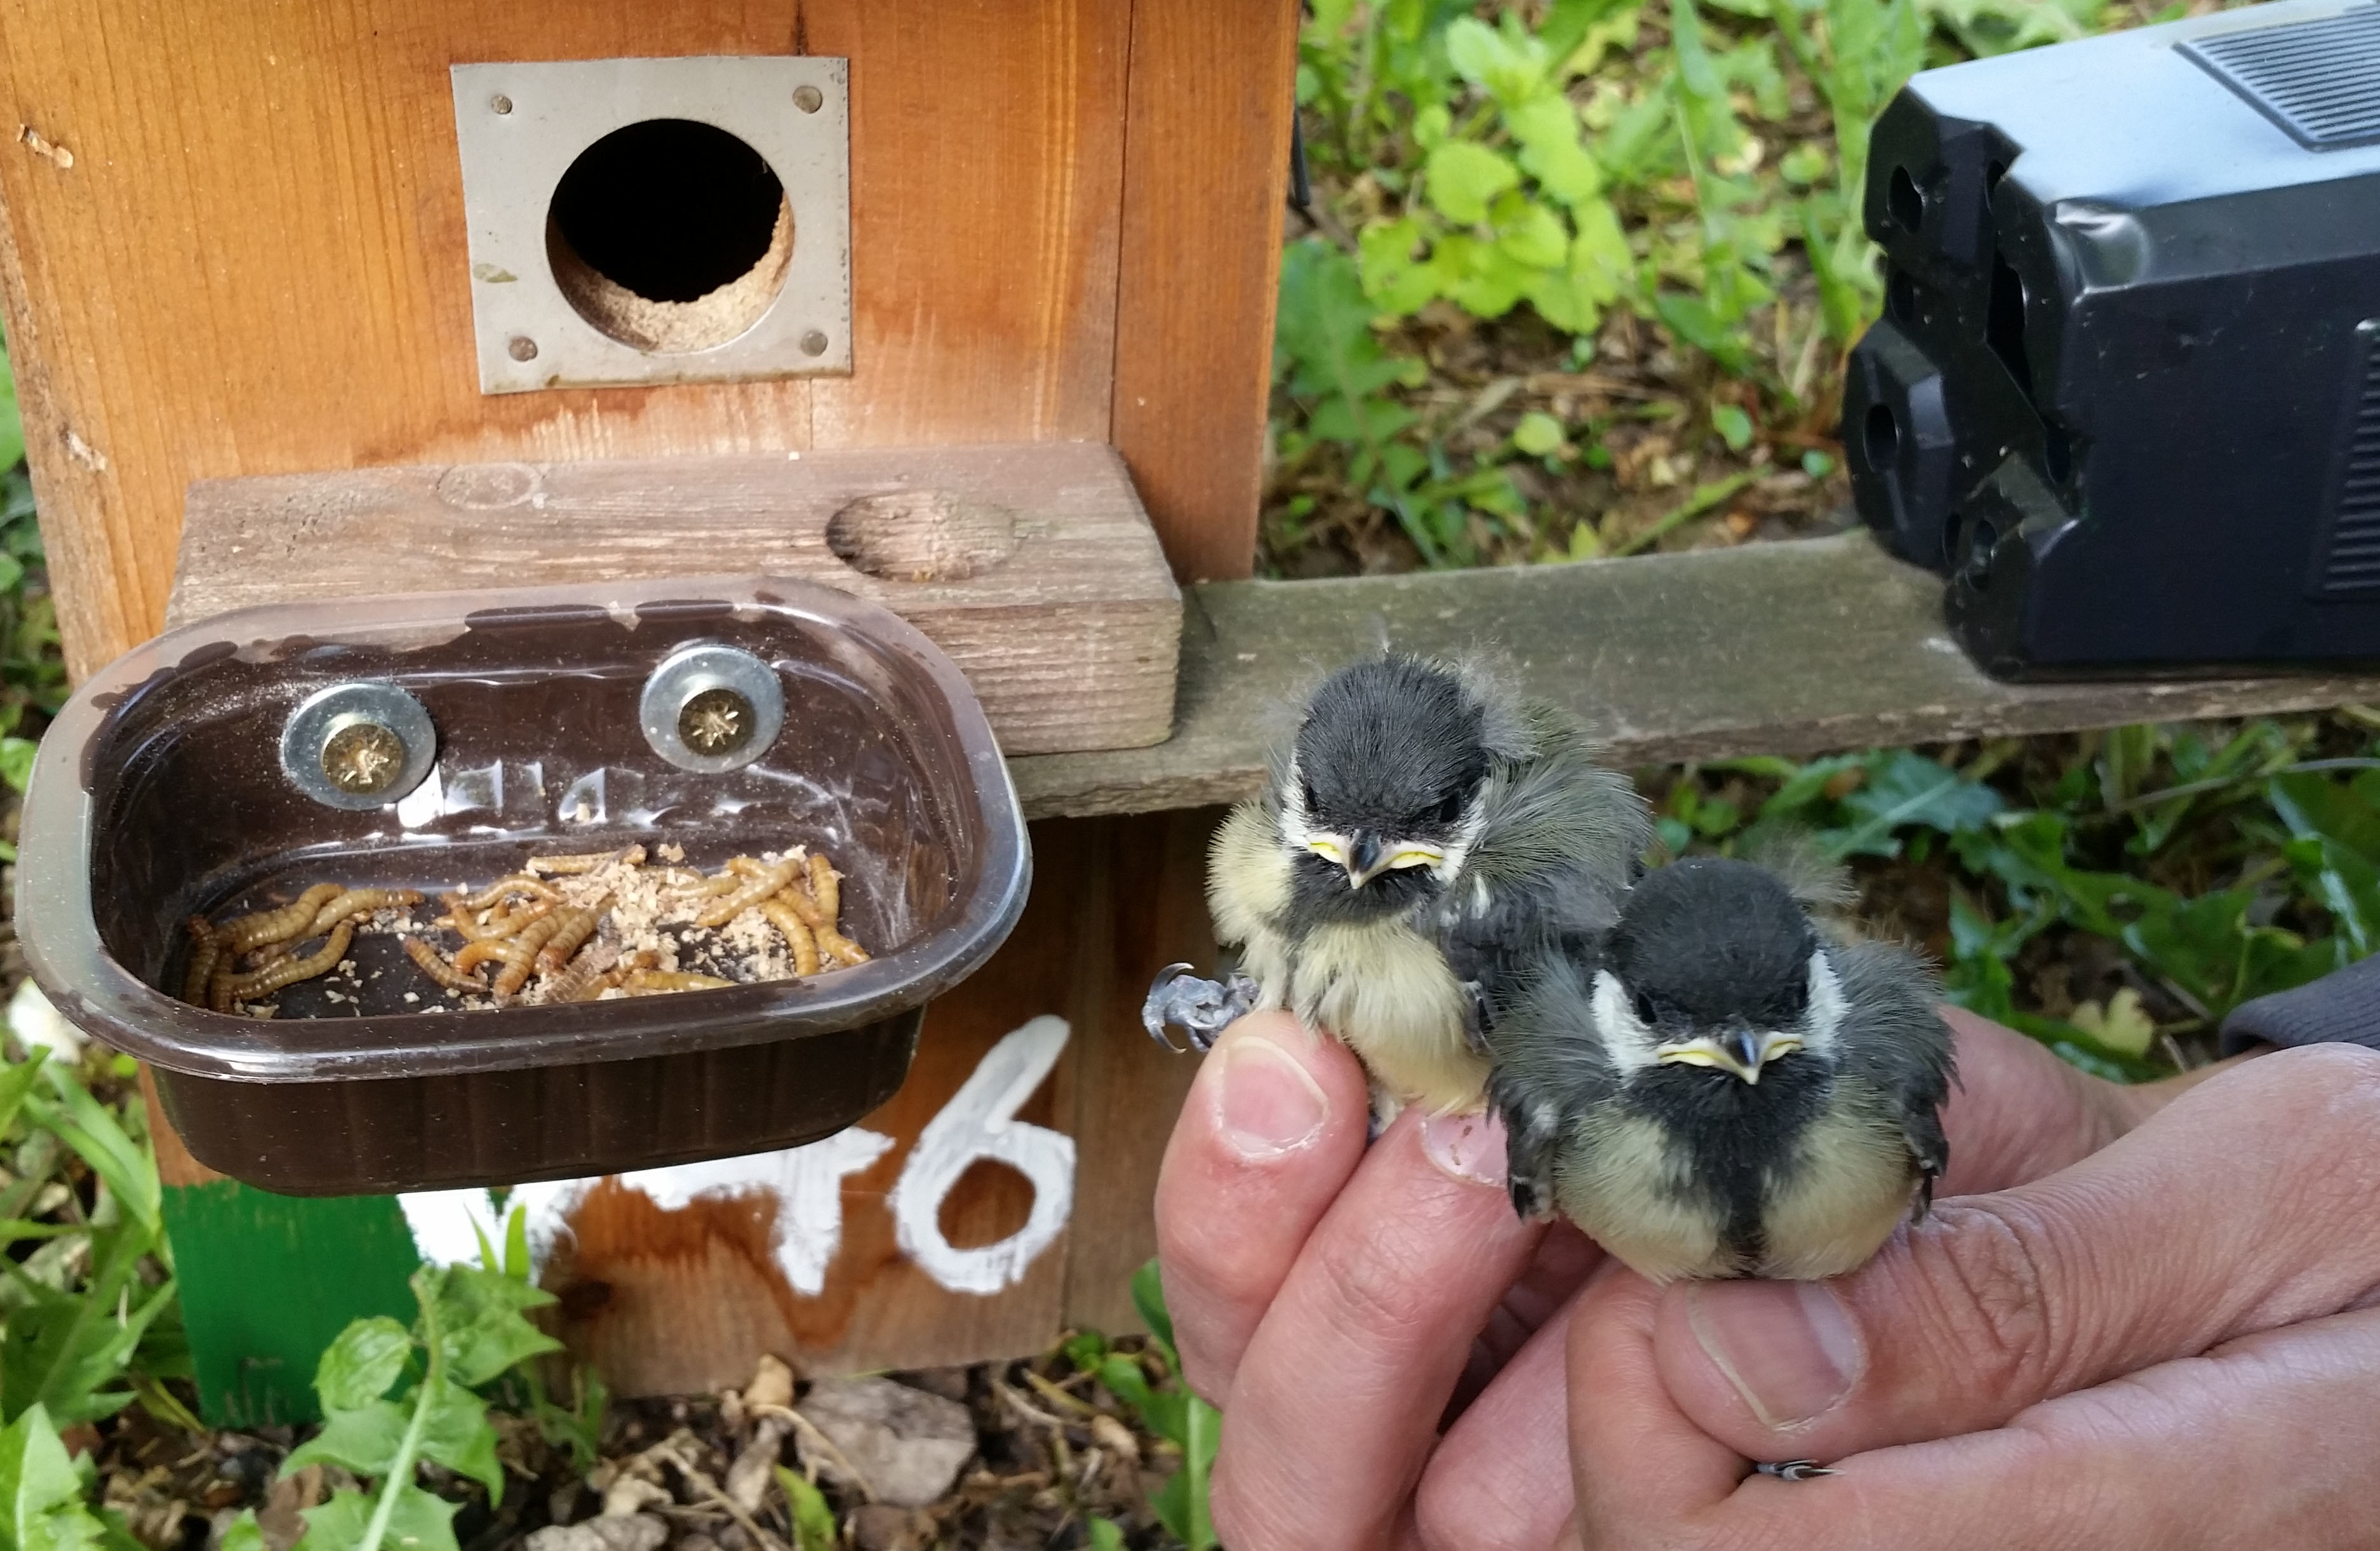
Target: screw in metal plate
814 343
358 745
500 103
711 708
521 347
363 758
809 99
716 722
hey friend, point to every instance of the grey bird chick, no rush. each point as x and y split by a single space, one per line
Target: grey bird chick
1426 832
1717 1090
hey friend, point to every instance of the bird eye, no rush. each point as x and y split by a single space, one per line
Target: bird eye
1449 810
1305 795
1646 1012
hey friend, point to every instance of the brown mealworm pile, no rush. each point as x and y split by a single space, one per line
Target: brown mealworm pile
568 929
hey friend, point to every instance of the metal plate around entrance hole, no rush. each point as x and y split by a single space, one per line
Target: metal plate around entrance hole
520 127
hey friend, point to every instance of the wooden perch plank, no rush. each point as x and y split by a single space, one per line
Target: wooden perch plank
1793 648
1066 620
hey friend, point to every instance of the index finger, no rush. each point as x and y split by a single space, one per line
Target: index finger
1271 1129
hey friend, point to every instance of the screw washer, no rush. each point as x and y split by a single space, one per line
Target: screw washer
321 716
695 670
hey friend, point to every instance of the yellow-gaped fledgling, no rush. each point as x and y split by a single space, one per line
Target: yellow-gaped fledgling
1427 830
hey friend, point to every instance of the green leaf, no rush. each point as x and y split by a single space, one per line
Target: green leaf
813 1521
243 1534
1734 425
12 428
129 1170
41 1490
1905 789
1463 178
1692 320
358 1366
19 1080
1102 1534
364 1440
17 754
1539 434
62 1349
458 1435
481 1324
1535 237
418 1522
1149 1299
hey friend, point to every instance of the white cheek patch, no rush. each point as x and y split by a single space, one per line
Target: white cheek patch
1626 1040
1447 868
1295 830
1828 1006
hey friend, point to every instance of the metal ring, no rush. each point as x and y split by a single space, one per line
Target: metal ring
358 746
712 709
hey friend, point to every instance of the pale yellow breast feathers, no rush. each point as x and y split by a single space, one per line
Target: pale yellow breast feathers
1387 993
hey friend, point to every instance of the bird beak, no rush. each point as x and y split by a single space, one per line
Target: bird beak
1741 1051
1363 853
1365 856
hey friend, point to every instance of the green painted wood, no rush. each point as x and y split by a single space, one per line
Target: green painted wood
268 1280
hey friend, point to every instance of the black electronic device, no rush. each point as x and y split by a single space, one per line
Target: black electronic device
2126 391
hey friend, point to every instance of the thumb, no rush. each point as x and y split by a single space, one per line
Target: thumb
2243 1205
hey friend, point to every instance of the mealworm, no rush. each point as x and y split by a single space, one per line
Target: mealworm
264 982
581 974
826 887
520 953
479 950
508 923
572 928
830 942
272 926
797 935
434 964
757 888
205 948
518 883
593 861
654 981
358 902
462 918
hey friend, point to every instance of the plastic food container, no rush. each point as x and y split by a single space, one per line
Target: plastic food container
162 792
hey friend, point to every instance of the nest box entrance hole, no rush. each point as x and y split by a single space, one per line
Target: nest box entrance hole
669 235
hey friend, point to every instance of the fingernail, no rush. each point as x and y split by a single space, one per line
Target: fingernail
1789 1347
1269 1104
1470 1147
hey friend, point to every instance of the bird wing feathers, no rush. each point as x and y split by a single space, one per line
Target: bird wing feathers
1550 1072
1898 1042
1558 842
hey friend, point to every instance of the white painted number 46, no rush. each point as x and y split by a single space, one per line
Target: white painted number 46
978 1123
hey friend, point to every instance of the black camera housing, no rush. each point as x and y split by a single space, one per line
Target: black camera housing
2126 391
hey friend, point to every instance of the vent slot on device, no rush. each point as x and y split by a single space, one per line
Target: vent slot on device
2320 80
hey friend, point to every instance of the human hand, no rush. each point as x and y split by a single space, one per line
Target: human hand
1328 1298
2166 1345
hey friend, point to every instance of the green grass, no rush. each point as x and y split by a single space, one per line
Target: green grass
1510 199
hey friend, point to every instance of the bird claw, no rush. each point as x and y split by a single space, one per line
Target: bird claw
1202 1008
1793 1470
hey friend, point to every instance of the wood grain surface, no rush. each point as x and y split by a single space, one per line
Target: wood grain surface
1793 648
251 258
1061 612
1206 171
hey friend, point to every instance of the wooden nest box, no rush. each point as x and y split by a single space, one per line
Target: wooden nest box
967 307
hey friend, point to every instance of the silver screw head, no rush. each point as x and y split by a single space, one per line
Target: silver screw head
500 104
814 343
363 758
521 347
809 99
718 721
